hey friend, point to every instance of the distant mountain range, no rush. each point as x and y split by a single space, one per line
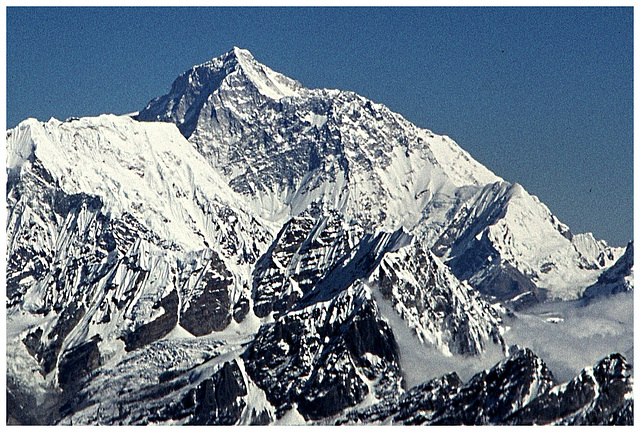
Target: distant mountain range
245 250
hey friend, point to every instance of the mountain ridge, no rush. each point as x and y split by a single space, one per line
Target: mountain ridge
362 163
288 245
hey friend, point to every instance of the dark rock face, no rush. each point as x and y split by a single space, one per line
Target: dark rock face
186 112
23 408
499 279
491 396
157 383
599 395
461 235
271 287
506 282
488 398
311 357
302 254
478 255
240 310
209 309
622 416
519 390
262 418
421 401
158 328
77 363
218 400
414 407
46 350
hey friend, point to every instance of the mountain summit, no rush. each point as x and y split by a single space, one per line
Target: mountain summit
288 149
248 251
216 84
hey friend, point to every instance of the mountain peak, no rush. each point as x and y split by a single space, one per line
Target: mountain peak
229 61
268 82
225 81
240 61
300 226
242 54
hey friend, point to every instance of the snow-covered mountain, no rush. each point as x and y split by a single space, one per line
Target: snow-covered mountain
288 148
617 278
259 252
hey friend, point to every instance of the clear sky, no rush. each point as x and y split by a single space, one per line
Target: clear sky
541 96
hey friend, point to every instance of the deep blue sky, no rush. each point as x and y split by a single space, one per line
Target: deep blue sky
543 96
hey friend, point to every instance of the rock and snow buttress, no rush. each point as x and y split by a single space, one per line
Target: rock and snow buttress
245 250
